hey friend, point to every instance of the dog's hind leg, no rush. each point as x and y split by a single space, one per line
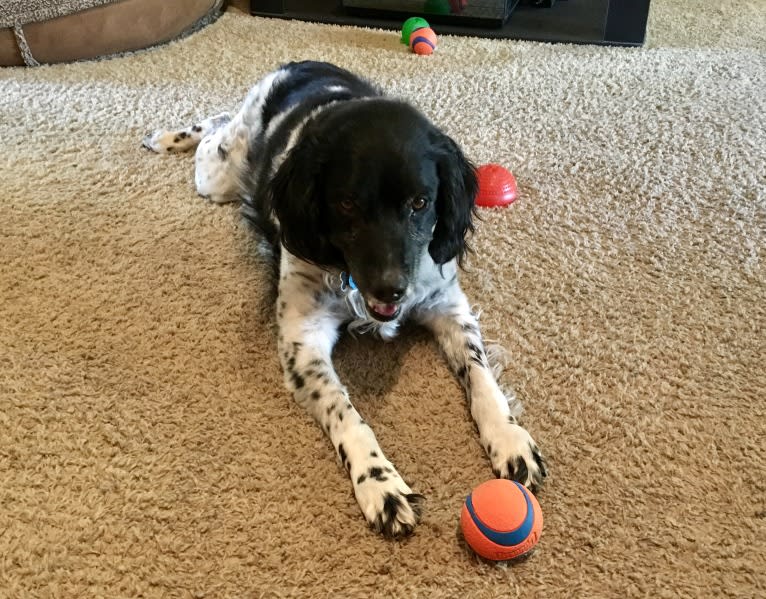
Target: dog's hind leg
163 141
222 155
221 144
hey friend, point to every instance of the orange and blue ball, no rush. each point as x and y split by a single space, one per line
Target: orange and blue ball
501 520
423 41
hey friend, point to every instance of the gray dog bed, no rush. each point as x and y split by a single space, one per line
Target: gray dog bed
49 31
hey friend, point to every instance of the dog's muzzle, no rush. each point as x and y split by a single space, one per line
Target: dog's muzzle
383 312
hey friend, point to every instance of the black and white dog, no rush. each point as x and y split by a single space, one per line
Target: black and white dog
370 204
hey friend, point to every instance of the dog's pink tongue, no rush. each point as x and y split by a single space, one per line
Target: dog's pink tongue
385 309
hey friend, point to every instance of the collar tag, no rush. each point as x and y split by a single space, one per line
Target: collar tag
346 282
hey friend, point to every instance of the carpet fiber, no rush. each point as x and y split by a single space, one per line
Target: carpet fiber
148 448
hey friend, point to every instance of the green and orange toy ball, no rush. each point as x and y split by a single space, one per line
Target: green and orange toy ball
418 35
501 520
411 25
423 41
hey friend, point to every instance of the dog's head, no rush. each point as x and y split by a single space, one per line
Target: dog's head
370 187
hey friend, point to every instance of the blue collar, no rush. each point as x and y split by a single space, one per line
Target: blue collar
346 282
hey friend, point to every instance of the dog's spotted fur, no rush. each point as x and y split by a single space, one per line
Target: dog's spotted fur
271 154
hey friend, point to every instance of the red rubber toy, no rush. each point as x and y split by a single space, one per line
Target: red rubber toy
497 186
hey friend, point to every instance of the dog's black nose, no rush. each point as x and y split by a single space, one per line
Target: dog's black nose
389 294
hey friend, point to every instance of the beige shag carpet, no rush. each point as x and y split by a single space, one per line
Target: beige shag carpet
148 448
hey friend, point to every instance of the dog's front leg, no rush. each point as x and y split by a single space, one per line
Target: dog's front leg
308 322
510 448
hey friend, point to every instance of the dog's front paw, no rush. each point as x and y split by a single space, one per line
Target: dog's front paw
387 502
515 455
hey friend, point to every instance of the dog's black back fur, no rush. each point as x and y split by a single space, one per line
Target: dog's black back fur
303 90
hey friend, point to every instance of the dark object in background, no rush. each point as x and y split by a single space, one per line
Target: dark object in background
542 3
606 22
471 13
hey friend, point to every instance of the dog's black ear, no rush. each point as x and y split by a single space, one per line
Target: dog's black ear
297 198
455 202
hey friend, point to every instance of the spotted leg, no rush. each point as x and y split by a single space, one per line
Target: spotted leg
308 323
163 141
510 448
220 158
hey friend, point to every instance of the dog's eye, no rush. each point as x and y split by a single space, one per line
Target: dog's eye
347 205
419 203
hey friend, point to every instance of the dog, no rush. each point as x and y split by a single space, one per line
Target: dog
368 205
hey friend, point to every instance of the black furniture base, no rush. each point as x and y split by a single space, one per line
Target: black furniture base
611 22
